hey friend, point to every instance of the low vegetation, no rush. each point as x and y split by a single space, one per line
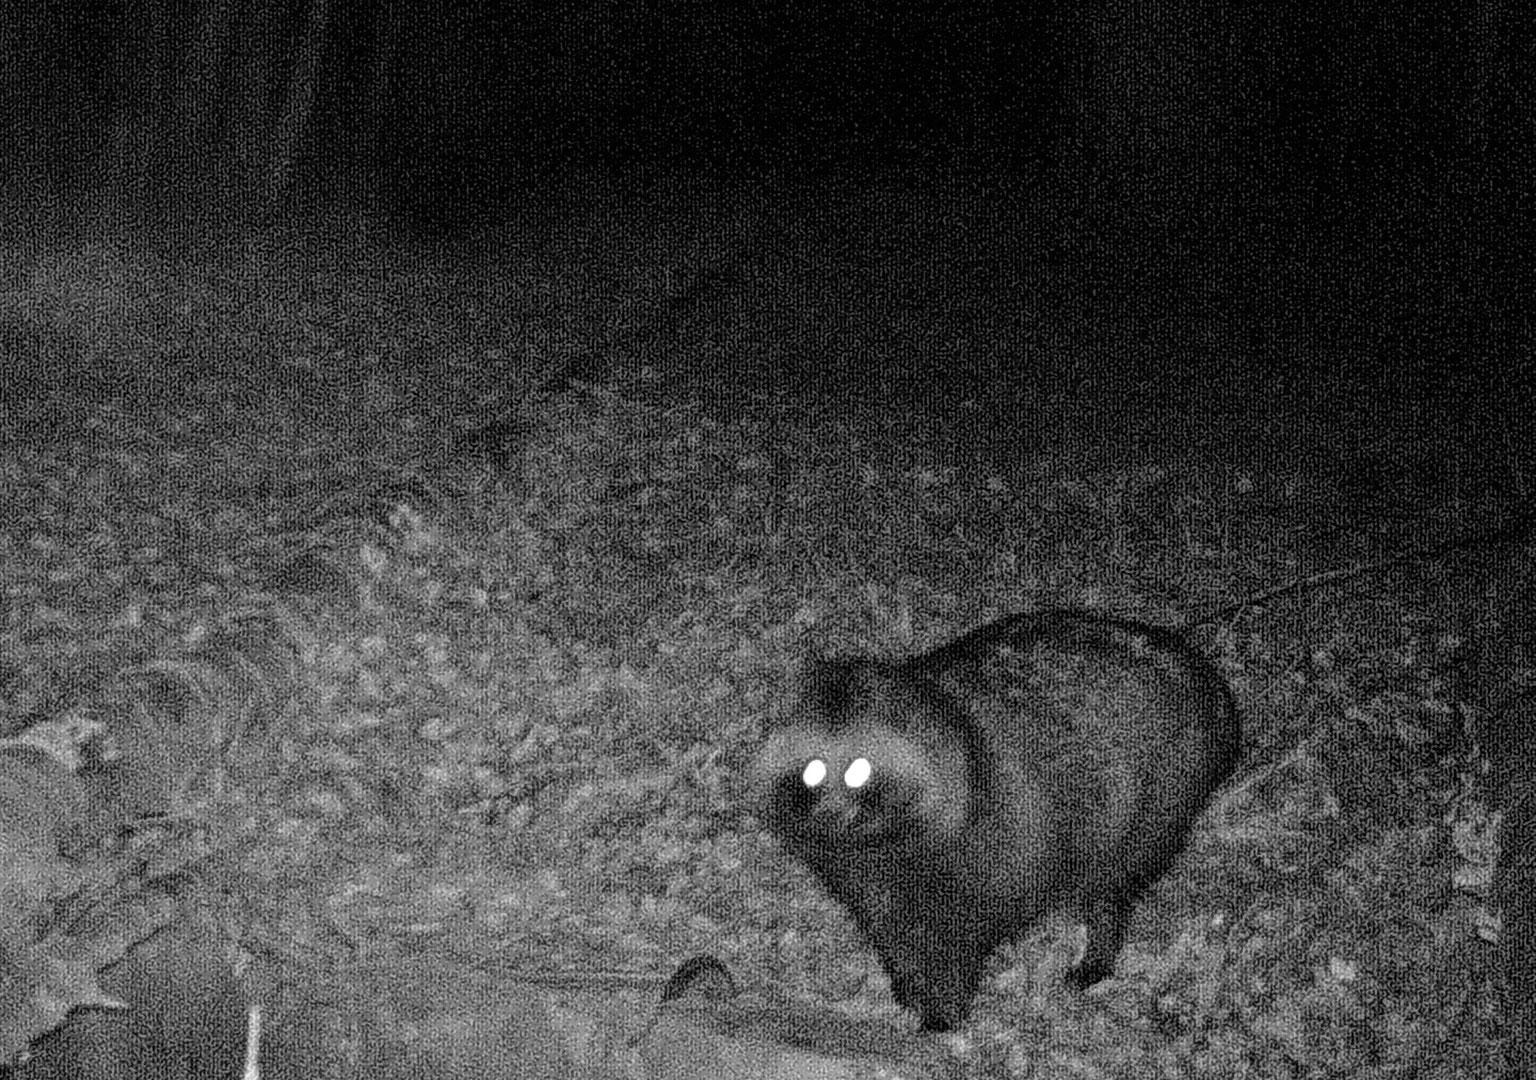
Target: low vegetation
371 687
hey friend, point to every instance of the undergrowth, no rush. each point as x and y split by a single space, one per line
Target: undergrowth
504 711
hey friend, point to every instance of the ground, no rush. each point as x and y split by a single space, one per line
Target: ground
430 599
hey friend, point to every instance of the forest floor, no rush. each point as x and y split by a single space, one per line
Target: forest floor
430 602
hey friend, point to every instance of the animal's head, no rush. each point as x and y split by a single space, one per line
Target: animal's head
862 758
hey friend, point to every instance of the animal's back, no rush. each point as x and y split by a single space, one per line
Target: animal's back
1045 761
1124 724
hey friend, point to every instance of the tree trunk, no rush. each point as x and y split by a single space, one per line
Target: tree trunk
381 74
141 80
201 78
298 102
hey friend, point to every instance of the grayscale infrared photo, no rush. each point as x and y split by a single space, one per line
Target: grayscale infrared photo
770 541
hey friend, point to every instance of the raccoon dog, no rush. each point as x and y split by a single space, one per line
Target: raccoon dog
1046 761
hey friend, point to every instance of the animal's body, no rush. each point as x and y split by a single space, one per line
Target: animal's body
1046 761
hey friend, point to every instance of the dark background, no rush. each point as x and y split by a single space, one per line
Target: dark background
1365 162
1314 116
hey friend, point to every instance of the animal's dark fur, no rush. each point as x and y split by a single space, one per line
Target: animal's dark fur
1046 761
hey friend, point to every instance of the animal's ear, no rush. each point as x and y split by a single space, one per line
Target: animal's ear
814 659
813 669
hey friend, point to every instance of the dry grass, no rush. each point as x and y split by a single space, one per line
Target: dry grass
405 697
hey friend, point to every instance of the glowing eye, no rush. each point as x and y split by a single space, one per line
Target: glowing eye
815 772
857 774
